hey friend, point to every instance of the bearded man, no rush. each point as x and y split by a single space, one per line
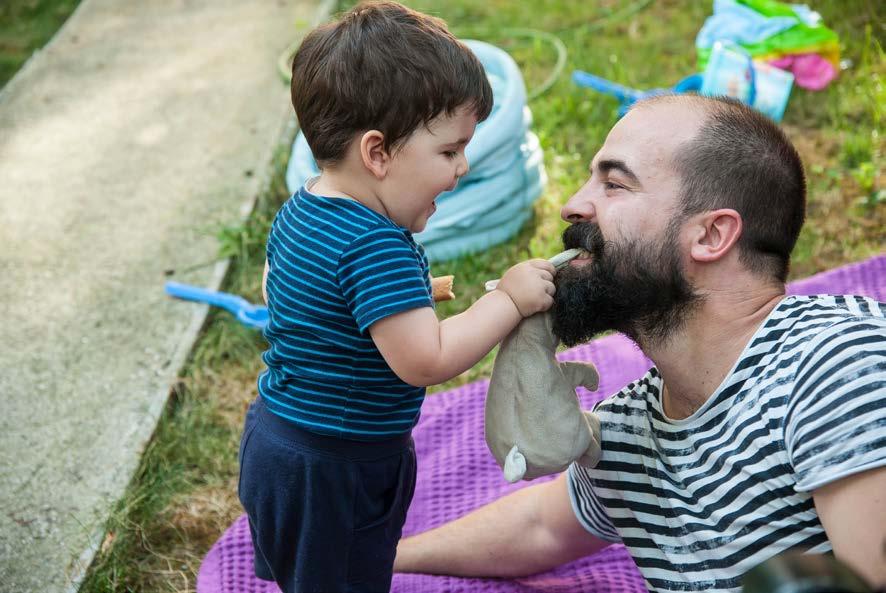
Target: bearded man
761 426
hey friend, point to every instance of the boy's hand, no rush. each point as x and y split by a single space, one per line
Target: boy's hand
530 285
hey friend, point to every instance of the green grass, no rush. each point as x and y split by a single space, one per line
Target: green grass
184 493
25 26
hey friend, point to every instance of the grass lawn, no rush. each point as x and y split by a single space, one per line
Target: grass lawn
26 26
184 493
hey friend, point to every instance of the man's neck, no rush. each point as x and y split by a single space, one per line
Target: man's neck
695 360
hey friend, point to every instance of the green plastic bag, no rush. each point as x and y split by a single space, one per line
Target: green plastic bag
799 39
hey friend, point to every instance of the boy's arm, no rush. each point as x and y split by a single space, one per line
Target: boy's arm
423 351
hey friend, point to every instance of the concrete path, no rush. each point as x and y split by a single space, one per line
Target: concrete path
124 144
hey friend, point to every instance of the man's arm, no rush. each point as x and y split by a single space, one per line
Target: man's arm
528 531
853 513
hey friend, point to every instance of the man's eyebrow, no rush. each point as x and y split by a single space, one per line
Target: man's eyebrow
607 165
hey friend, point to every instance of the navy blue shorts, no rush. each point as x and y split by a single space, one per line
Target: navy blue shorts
325 513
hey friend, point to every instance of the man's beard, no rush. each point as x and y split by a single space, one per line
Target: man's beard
635 288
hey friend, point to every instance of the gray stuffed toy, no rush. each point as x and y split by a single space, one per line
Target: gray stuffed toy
534 424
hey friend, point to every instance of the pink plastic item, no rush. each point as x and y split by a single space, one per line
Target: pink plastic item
811 71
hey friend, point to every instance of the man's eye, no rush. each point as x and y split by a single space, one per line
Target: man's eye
609 185
450 154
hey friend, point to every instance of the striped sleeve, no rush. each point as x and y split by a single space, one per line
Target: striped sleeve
588 510
380 275
835 424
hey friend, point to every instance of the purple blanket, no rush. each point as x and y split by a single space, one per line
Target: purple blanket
458 474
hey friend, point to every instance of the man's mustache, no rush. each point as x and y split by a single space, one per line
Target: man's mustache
584 235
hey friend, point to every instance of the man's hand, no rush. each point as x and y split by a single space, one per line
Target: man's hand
530 285
853 513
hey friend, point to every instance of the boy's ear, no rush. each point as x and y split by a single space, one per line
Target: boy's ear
714 234
373 154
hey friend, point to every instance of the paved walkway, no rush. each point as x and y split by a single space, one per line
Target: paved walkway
138 130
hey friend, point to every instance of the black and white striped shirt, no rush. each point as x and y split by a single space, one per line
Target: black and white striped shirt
700 501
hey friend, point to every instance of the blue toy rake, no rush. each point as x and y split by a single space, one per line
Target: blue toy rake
245 312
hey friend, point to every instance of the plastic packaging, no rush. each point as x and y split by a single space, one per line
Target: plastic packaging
733 73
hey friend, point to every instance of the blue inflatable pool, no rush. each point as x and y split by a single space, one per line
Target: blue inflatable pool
507 174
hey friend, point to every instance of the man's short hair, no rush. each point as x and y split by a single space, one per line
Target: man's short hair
741 159
383 67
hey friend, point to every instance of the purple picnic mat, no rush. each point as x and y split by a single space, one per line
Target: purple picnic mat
457 474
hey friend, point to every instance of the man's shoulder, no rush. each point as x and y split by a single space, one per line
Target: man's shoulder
833 415
821 318
801 319
828 308
843 351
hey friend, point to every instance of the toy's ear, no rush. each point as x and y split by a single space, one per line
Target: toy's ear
581 373
714 233
375 158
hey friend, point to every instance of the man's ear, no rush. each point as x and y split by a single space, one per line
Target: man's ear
373 154
714 234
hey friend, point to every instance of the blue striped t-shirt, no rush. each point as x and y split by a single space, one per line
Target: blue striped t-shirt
334 268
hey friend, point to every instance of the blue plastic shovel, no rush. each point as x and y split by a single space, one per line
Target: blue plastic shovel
627 96
245 312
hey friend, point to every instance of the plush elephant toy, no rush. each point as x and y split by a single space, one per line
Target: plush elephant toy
534 424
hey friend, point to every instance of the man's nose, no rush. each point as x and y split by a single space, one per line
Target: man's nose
580 207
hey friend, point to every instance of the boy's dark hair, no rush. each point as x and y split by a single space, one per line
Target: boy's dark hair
383 67
741 159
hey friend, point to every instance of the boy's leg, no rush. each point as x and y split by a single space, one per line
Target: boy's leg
260 565
300 506
326 515
384 492
261 568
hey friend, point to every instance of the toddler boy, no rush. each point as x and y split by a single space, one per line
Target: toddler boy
387 99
